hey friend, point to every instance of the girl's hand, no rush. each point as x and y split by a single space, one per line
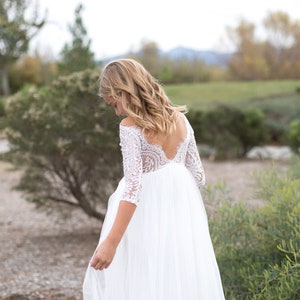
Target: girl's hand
103 255
106 251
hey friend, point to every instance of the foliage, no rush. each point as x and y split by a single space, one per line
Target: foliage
248 63
35 70
66 142
230 131
294 135
295 171
283 107
220 131
2 115
279 111
276 57
2 107
276 100
149 56
184 70
276 130
258 248
196 118
16 32
77 56
251 131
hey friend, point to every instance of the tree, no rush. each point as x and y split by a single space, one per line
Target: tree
66 142
276 57
16 32
283 41
248 62
149 56
77 56
31 69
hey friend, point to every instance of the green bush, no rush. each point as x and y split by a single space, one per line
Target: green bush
2 113
251 130
66 142
196 118
230 131
2 107
276 131
294 136
258 249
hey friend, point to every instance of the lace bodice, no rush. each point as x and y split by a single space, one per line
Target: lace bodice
141 157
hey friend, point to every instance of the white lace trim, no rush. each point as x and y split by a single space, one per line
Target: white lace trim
140 157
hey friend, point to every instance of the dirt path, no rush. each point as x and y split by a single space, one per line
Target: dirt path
44 257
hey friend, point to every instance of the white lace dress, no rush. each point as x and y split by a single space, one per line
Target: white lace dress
166 252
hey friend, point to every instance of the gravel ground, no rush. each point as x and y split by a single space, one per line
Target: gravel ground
45 257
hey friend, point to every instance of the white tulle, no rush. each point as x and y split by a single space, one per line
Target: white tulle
166 252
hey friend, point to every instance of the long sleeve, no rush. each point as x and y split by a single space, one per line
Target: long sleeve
193 161
132 163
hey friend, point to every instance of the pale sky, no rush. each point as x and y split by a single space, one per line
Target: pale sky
117 26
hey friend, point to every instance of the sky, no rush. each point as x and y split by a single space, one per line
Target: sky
116 27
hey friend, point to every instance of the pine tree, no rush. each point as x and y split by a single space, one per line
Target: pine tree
77 55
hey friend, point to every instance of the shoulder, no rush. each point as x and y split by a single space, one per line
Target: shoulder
128 129
187 122
128 122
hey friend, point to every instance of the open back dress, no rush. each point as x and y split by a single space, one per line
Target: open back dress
166 252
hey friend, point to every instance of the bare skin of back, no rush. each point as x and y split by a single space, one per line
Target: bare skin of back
169 143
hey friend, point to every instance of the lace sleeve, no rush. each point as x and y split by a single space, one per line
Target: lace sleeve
193 161
132 163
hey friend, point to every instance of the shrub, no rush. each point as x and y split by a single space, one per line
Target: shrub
196 118
2 107
276 130
217 131
230 131
66 141
258 249
2 113
293 136
251 131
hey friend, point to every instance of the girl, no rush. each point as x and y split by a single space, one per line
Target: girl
155 242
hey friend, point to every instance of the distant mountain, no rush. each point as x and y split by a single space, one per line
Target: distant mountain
207 56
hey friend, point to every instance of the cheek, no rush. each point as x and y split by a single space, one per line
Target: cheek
120 108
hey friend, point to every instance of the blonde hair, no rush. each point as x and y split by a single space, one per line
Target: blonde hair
142 97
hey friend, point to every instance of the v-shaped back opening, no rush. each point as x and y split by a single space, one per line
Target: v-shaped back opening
177 145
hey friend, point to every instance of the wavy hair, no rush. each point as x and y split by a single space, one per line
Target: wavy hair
142 97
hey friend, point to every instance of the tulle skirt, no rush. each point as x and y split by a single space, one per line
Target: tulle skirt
166 252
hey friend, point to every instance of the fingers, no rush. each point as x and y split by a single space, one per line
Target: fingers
99 264
103 256
96 263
